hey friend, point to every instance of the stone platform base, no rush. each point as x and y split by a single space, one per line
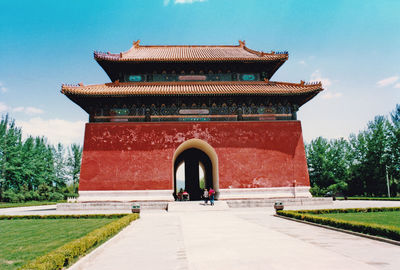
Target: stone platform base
81 206
270 202
167 195
191 205
264 193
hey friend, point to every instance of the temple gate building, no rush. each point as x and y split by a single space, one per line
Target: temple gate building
208 106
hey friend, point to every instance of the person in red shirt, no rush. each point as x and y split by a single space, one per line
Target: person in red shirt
211 194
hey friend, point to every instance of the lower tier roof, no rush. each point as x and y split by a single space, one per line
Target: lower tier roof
117 89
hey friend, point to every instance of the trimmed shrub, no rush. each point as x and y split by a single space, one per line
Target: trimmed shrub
390 232
317 191
32 196
55 196
372 198
11 196
64 255
70 195
350 210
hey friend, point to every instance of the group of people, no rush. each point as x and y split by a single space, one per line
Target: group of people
208 195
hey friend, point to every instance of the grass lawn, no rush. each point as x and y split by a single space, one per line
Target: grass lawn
30 203
381 218
22 240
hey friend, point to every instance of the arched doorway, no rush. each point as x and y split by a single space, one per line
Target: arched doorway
194 161
200 164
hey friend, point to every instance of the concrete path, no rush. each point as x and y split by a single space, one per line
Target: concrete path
244 238
197 206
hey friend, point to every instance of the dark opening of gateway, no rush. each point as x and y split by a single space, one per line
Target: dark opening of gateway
193 159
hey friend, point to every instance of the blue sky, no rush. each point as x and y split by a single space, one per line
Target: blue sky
352 46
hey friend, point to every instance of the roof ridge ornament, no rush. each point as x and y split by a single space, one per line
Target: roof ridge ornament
242 43
136 43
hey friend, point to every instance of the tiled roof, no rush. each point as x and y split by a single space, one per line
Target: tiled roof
240 52
192 88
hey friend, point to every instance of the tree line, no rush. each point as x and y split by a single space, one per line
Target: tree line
366 164
33 169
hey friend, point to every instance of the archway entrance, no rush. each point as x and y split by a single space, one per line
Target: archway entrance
197 173
202 154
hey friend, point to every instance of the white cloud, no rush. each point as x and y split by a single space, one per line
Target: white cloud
166 2
3 107
27 110
187 1
302 62
397 85
331 95
316 76
3 89
18 109
326 83
387 81
55 130
33 110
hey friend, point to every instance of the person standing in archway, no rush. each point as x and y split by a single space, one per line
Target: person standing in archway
211 194
205 196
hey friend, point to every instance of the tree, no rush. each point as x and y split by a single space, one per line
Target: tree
357 153
74 164
394 144
34 169
328 165
60 165
377 156
370 155
10 158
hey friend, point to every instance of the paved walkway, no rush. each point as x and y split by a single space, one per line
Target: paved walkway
245 238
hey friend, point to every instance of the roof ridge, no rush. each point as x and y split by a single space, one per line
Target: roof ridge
136 44
184 83
230 46
193 88
132 53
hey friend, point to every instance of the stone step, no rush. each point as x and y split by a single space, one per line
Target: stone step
191 205
286 202
109 206
195 206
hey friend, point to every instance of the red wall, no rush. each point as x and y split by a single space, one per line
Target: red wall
138 156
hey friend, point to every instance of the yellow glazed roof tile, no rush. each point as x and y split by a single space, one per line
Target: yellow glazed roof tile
192 88
139 53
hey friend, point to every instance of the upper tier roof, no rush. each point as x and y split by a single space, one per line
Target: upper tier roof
188 53
192 88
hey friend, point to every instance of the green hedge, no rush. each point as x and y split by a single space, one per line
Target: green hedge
390 232
64 255
370 198
2 217
349 210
